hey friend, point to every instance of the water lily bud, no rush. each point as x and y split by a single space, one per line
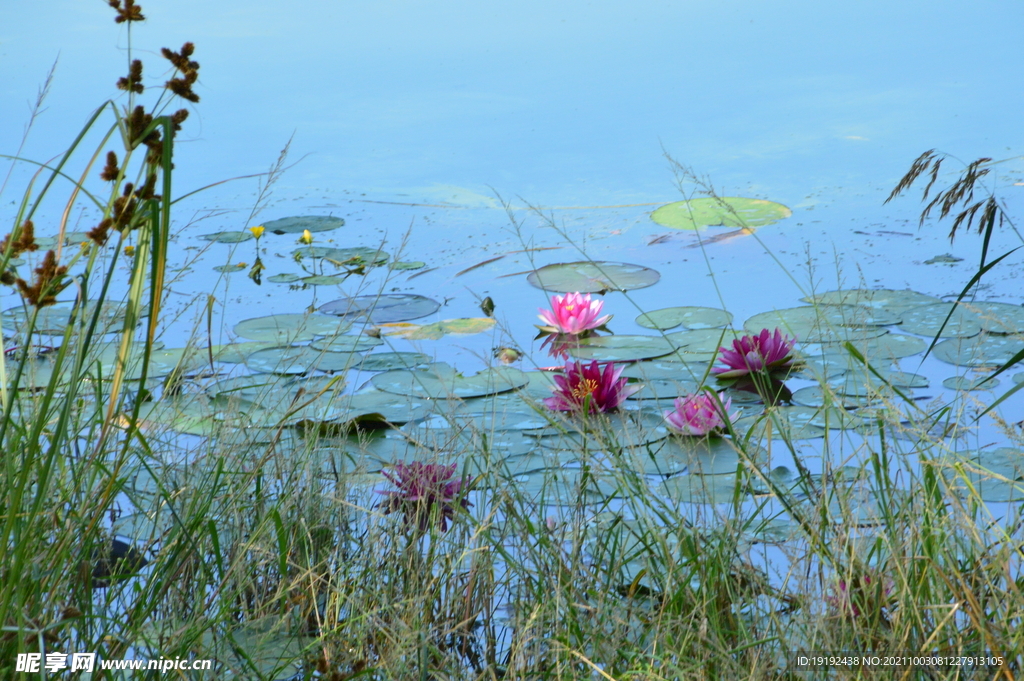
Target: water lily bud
257 231
306 237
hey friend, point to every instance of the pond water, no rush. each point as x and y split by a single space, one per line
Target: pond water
416 121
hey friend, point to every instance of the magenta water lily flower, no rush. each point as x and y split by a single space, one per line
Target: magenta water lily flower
762 353
573 314
425 491
699 414
589 387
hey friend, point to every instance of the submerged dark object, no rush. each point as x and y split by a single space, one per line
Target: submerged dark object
121 561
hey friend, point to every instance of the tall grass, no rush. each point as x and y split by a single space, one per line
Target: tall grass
269 552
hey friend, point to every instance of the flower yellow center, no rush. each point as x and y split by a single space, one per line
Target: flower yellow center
585 387
568 308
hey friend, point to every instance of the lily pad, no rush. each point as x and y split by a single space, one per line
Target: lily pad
998 317
437 330
567 487
700 489
297 225
926 320
228 237
291 327
228 269
592 277
393 407
54 318
696 455
981 350
284 278
687 317
408 265
729 211
968 384
300 360
889 347
345 343
391 307
386 361
322 280
702 342
877 299
440 381
821 324
344 257
622 348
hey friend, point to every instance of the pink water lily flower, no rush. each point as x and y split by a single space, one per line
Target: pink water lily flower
423 490
762 353
699 414
573 314
589 387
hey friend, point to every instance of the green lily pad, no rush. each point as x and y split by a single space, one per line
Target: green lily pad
997 475
567 487
664 389
408 265
821 324
228 269
386 361
981 350
382 309
702 342
297 225
729 211
815 396
687 317
345 343
889 347
228 237
666 370
696 455
284 278
344 257
877 299
235 353
54 318
998 317
441 382
300 360
627 430
926 320
592 277
291 327
322 280
967 384
622 348
437 330
700 489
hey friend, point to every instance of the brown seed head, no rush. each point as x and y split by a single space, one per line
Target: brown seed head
133 82
110 171
130 11
49 282
26 240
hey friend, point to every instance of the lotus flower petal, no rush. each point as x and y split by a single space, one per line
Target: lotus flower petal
764 352
588 386
573 314
699 414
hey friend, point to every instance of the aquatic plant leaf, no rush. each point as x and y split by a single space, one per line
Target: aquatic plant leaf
998 317
291 327
687 317
730 211
300 360
695 455
284 278
604 431
702 342
228 269
235 353
926 320
877 299
390 307
54 318
297 225
440 381
968 384
322 280
385 361
700 489
666 369
345 343
592 277
823 324
228 237
358 256
890 347
981 350
437 330
622 348
408 265
567 487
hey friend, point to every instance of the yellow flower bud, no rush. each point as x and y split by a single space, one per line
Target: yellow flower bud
129 251
306 237
257 231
